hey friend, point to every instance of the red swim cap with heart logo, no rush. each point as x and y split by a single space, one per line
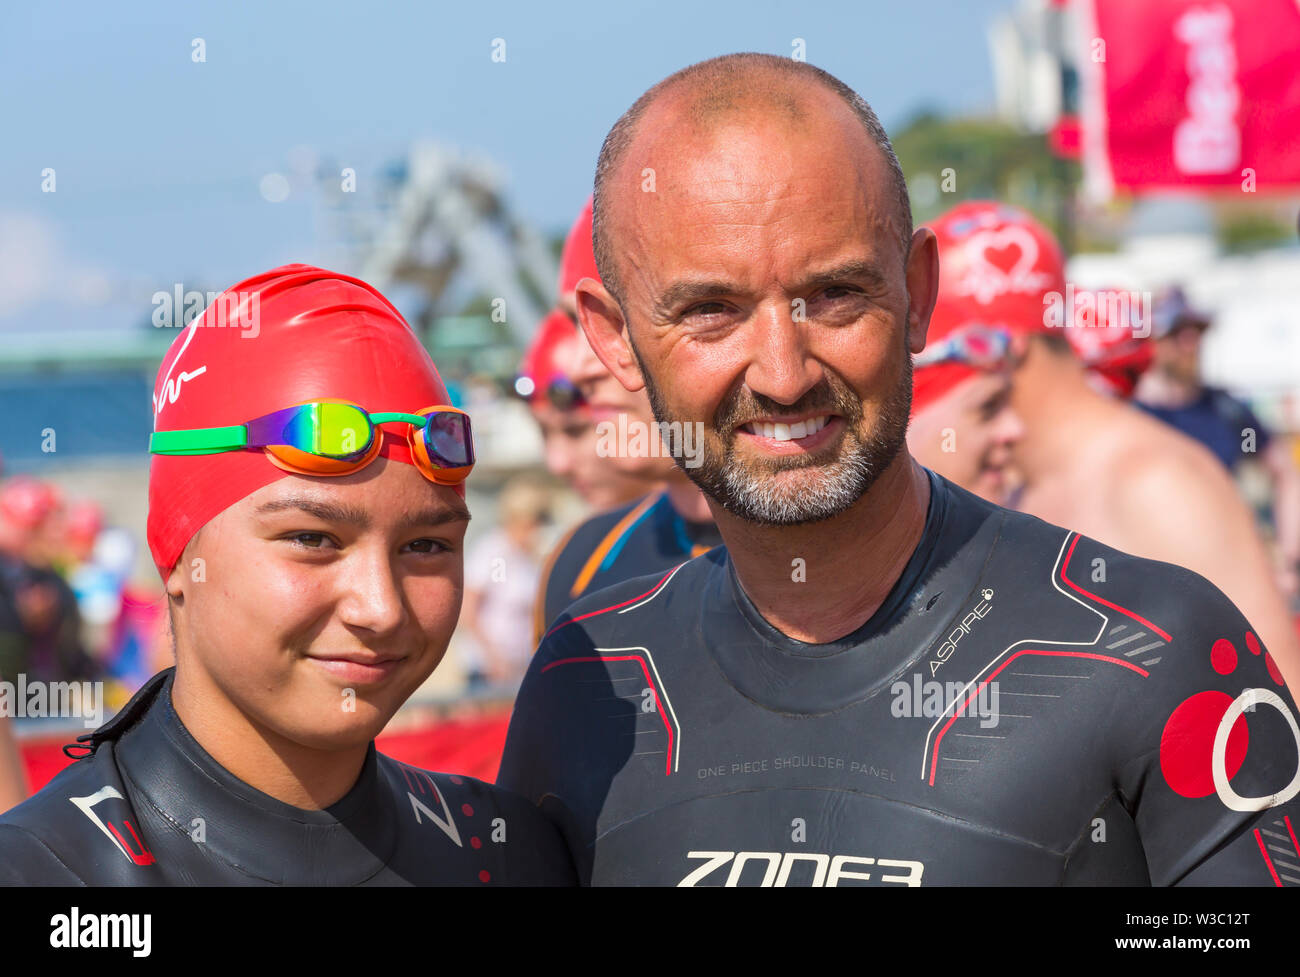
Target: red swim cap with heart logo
289 335
997 266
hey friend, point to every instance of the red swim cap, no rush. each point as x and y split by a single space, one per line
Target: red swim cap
1115 352
929 383
550 354
579 258
84 520
996 263
27 502
280 338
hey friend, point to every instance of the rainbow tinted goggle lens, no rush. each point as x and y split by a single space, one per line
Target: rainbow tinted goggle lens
334 437
983 347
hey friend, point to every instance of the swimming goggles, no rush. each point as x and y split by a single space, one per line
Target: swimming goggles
335 437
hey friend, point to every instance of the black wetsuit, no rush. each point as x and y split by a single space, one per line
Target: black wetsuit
1026 706
642 537
149 806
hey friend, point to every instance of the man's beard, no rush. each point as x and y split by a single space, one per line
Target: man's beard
754 490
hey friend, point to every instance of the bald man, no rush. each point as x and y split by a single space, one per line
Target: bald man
881 678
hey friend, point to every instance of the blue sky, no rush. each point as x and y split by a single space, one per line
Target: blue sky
158 159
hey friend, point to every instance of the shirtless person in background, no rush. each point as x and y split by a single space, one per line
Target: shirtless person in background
1089 461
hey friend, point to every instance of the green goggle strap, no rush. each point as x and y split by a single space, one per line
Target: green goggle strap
204 441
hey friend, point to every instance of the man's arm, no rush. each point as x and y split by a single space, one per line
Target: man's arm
540 739
1214 787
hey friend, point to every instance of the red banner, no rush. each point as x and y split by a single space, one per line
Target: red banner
1191 93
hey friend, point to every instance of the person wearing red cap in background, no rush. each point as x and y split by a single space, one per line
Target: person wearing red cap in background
1115 353
40 627
1089 461
654 531
46 646
961 382
568 432
306 514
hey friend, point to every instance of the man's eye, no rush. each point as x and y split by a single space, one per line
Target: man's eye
706 308
837 292
429 546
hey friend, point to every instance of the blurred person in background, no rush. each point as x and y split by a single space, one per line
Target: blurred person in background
1173 391
1115 354
562 416
655 531
122 620
13 643
50 647
501 574
1086 460
963 426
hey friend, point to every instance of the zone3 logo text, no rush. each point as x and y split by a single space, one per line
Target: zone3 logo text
776 868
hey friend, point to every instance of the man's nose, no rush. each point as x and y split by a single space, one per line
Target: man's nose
780 367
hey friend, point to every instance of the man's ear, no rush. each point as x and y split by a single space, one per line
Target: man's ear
602 321
922 286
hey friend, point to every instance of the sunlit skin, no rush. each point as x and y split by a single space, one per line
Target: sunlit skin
968 435
311 587
751 213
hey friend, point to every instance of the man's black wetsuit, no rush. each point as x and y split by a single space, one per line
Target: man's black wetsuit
149 806
1026 706
642 537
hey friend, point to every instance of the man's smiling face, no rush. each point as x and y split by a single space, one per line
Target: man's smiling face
766 292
